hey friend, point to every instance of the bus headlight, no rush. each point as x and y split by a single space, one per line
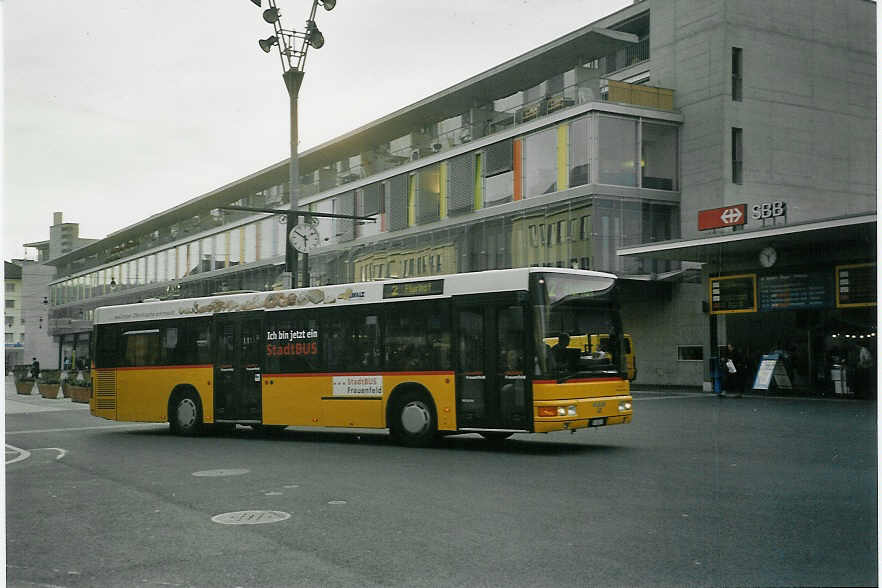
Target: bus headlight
623 406
571 410
561 411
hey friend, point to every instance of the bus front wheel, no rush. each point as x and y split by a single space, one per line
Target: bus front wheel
185 416
414 422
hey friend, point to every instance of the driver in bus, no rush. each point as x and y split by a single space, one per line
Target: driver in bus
559 351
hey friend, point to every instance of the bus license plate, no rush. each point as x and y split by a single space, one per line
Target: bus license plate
597 422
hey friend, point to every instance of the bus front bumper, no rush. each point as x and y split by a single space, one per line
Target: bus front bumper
581 413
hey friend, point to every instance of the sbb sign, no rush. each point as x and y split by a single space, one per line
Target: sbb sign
728 216
766 210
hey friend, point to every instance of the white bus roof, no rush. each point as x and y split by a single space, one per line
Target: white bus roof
505 280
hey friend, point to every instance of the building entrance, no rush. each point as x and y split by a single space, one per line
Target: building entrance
821 348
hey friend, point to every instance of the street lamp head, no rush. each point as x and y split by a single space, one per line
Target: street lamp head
256 2
267 44
314 36
327 4
271 15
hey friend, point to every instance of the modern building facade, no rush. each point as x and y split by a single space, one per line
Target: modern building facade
14 331
36 337
575 154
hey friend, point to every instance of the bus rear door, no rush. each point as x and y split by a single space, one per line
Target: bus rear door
238 367
491 377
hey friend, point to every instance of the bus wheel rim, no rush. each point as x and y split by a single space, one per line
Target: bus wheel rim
415 418
186 412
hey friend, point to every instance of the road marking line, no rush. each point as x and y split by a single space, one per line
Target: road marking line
22 454
61 452
133 425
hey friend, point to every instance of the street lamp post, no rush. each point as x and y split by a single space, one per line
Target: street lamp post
293 46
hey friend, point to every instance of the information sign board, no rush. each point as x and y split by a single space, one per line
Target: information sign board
795 291
731 294
764 373
856 285
772 366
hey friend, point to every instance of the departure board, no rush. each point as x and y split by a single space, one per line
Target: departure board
731 294
856 285
795 291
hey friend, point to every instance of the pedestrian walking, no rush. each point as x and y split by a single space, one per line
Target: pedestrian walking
734 371
863 367
35 368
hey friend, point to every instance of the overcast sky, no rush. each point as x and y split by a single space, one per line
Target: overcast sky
115 110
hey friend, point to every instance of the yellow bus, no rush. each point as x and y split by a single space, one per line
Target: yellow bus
461 353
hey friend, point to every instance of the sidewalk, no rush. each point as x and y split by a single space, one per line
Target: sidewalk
15 403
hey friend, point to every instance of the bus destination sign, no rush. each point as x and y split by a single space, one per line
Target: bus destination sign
731 294
425 288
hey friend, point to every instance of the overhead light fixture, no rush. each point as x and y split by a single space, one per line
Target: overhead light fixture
271 15
314 36
267 44
327 4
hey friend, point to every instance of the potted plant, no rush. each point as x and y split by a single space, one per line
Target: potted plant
81 388
49 383
24 381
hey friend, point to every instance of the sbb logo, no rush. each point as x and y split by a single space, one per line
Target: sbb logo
768 210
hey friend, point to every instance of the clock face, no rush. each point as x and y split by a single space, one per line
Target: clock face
304 238
768 257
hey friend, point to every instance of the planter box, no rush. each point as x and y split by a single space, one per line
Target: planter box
80 394
49 390
24 388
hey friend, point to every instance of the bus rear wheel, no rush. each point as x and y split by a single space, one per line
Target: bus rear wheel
185 416
413 422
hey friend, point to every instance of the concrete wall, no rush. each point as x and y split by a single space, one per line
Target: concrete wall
38 343
658 325
808 108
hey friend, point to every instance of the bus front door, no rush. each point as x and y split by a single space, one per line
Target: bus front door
238 367
491 375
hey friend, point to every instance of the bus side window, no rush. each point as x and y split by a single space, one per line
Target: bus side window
338 343
202 341
141 347
510 335
365 341
439 337
405 336
107 352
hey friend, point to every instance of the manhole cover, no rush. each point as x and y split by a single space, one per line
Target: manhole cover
220 473
250 517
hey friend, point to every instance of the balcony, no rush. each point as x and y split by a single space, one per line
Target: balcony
639 95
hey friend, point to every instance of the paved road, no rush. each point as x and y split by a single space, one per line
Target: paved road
698 491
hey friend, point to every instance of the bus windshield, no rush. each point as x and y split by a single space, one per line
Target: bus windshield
578 330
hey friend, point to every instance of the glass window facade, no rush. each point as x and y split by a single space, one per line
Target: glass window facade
428 195
617 155
579 157
622 223
658 156
249 234
583 233
540 163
